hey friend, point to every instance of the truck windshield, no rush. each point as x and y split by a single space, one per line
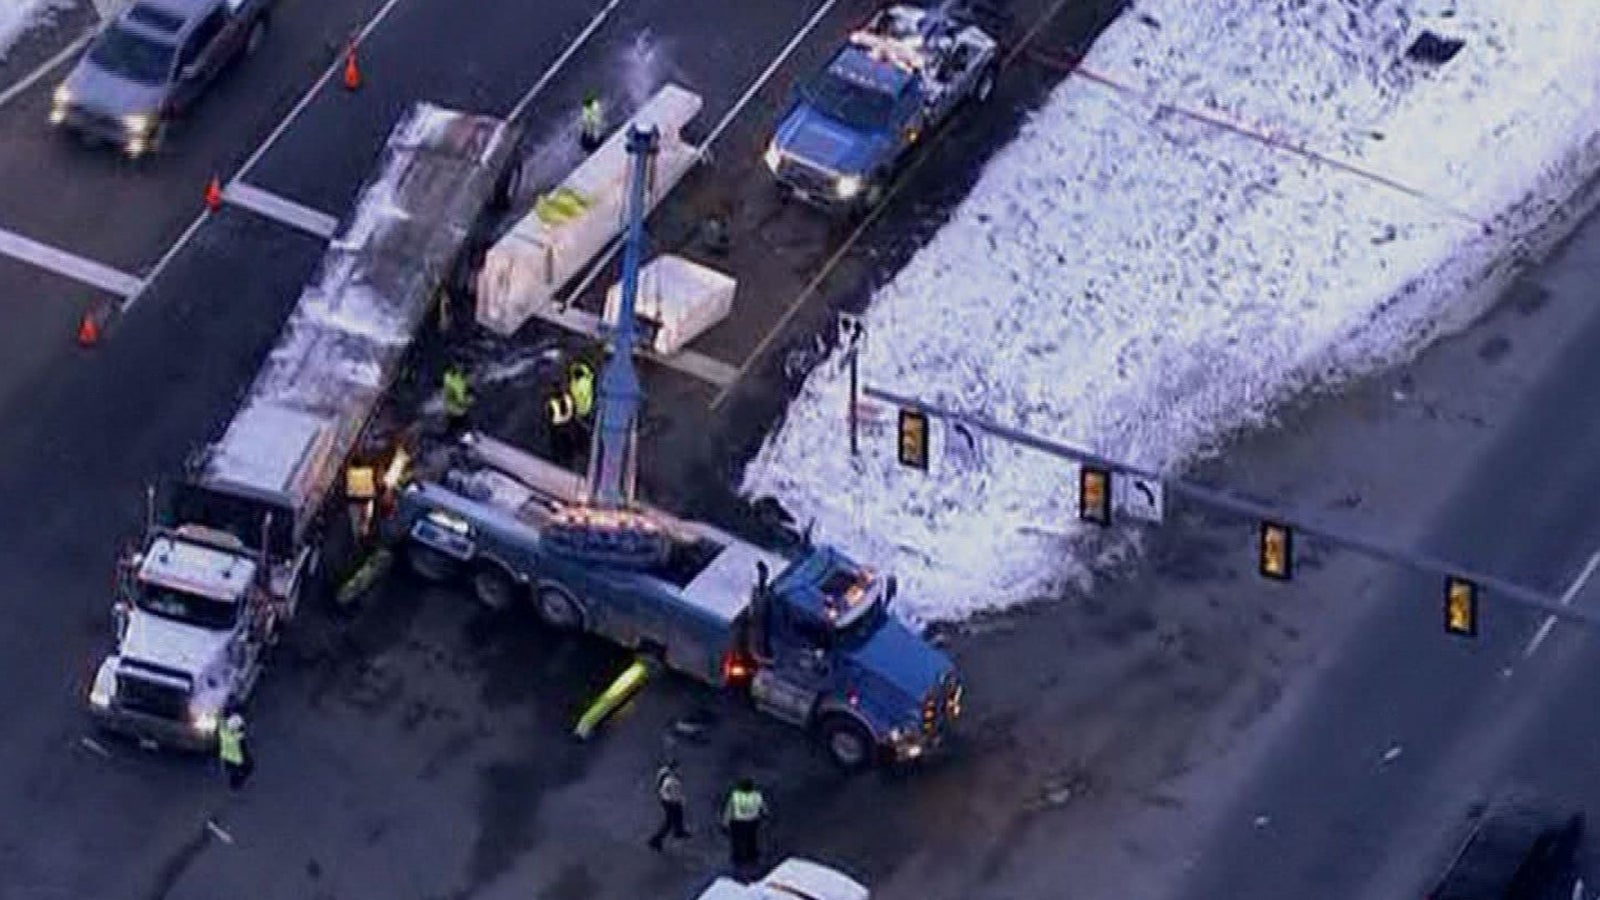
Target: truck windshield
191 609
839 97
856 629
132 56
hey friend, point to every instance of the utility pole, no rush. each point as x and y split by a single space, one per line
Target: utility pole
853 330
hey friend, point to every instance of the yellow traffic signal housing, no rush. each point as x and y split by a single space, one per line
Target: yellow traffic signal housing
1460 607
1094 495
1277 551
914 438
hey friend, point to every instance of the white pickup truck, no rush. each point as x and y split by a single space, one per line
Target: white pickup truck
793 879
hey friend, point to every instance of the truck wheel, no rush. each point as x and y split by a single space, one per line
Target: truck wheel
848 744
430 563
558 609
493 587
984 89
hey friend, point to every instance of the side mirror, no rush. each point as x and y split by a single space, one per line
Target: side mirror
119 618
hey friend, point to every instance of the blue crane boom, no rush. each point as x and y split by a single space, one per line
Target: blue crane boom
613 453
606 527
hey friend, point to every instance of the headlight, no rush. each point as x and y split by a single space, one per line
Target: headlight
105 685
203 721
906 742
847 186
139 123
59 103
772 157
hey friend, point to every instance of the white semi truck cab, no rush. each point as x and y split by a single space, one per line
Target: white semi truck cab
191 616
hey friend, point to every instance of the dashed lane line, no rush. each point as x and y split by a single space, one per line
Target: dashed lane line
272 137
280 209
29 80
561 61
1567 596
717 372
70 265
315 217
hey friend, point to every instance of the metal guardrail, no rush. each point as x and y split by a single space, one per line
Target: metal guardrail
1233 502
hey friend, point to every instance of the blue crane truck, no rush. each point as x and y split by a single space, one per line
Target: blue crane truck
848 128
808 637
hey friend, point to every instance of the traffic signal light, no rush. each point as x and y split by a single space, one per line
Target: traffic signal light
1094 495
1460 607
1277 551
914 438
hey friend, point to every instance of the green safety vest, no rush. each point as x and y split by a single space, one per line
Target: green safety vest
457 396
745 806
592 117
582 389
560 409
230 745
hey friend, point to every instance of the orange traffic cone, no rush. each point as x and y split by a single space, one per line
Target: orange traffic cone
88 329
352 72
213 194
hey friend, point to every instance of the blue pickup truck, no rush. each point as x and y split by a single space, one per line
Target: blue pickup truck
849 127
810 639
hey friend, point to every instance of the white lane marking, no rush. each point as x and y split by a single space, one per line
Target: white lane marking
715 371
305 99
161 264
689 362
561 61
805 294
1567 597
281 209
260 151
44 68
71 265
89 743
766 74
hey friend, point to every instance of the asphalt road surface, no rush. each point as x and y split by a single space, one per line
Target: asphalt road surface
420 749
1371 781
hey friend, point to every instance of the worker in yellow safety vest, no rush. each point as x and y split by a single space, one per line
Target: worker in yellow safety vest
591 124
580 387
231 749
742 816
457 399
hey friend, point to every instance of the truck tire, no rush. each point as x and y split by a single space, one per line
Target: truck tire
429 563
494 587
847 743
557 608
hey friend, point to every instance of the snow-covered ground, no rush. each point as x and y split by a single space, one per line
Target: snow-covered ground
17 16
1127 278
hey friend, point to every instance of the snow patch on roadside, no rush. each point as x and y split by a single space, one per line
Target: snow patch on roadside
1133 281
18 17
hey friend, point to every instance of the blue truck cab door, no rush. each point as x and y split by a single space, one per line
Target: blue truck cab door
788 686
